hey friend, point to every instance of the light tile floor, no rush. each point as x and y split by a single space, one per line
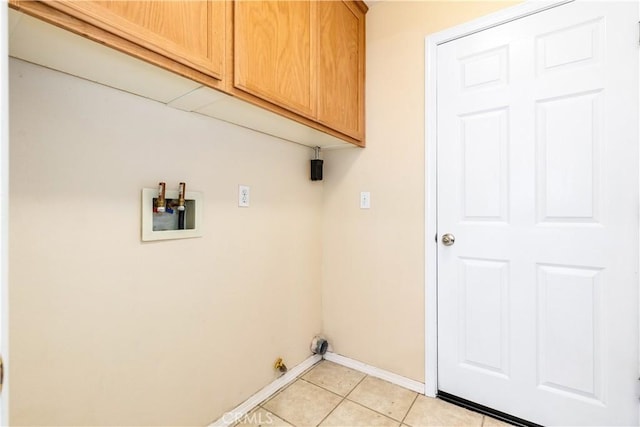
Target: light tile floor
332 395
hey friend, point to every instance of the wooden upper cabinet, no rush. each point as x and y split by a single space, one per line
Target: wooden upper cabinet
274 52
306 57
303 60
188 32
341 34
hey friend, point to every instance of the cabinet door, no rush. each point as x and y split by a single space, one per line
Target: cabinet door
341 35
273 52
189 32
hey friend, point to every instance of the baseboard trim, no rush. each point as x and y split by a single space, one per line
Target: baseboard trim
405 382
232 417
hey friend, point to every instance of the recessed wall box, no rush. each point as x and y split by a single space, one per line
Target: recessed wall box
165 225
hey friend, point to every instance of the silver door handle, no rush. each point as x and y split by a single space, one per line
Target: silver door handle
448 239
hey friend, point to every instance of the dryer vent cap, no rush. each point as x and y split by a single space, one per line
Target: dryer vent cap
319 345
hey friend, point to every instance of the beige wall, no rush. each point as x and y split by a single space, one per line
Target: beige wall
373 260
108 330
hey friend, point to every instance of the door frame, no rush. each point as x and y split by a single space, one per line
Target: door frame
432 42
4 207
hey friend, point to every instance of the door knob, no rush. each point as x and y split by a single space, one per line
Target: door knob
1 373
448 239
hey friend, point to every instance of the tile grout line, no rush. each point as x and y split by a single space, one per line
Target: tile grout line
341 401
373 410
378 412
356 386
342 398
312 367
277 393
299 378
409 410
282 418
286 386
309 382
331 411
319 386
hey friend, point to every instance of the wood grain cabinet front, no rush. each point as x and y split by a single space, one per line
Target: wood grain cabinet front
188 32
274 52
304 56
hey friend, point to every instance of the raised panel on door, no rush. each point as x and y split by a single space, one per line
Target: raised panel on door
485 165
189 32
569 348
483 292
274 49
569 155
341 67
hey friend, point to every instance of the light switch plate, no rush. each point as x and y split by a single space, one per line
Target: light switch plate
244 196
365 200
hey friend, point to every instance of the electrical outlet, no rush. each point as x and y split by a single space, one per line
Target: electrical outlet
365 200
244 196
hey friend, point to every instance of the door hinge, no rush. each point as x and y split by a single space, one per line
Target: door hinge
638 32
436 237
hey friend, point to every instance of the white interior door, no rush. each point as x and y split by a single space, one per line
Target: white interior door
537 151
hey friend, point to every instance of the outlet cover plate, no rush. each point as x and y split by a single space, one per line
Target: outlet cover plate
244 196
